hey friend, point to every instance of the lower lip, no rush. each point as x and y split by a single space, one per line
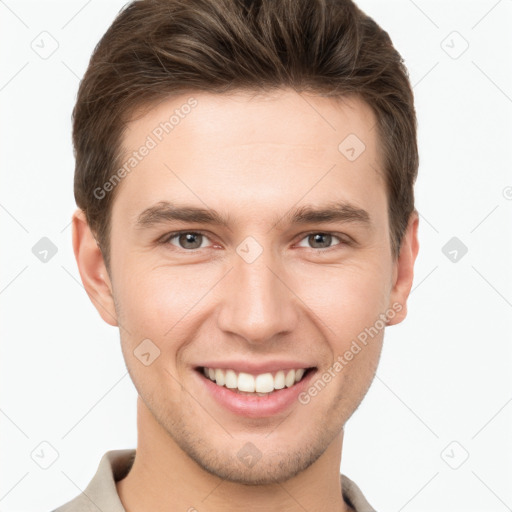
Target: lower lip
256 406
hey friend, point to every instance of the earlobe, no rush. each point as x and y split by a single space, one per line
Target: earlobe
92 268
404 270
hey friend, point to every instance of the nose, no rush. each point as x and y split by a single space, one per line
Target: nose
258 303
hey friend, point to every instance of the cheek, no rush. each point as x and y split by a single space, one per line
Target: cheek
151 301
165 303
156 306
347 299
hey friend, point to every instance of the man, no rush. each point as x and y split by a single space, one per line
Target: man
244 177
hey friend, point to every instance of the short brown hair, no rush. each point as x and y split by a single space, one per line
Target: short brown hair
158 48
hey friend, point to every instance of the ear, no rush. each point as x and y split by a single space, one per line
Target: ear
92 268
403 273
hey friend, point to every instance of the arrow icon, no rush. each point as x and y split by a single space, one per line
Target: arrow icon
455 455
44 250
454 249
351 147
146 352
454 45
44 455
247 252
249 455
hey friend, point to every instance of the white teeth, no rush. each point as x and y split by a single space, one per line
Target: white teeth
245 382
231 379
261 385
264 383
279 380
289 380
219 377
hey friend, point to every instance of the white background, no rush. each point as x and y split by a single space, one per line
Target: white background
445 373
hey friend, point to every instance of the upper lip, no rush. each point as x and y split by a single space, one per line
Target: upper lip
256 368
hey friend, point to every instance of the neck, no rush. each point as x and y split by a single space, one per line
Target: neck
164 477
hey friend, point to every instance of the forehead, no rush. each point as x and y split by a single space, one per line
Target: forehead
244 149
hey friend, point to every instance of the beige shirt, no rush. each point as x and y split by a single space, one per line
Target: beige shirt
101 493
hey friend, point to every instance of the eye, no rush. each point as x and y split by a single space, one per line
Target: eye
194 240
186 239
321 240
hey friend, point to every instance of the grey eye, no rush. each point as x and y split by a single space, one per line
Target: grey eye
319 240
189 240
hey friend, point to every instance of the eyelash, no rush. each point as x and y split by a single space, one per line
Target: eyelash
169 236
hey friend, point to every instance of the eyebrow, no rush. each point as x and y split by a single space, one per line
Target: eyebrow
165 211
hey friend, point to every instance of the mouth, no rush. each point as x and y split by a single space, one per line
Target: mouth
255 395
263 384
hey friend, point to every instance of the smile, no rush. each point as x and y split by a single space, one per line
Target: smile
260 385
255 396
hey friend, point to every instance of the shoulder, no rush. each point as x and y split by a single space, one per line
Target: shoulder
101 492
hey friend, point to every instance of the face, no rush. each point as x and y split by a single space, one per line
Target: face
265 284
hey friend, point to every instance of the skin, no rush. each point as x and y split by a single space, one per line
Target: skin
252 158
